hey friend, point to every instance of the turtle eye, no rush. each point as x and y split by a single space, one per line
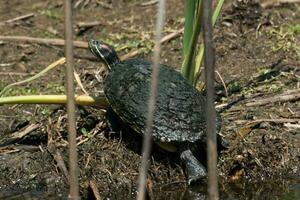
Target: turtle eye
97 43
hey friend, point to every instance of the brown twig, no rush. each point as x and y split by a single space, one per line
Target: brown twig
81 44
171 36
226 106
165 39
52 149
77 3
223 83
93 132
292 126
271 3
61 163
104 5
129 55
16 73
276 121
46 41
149 3
94 188
278 98
18 135
56 154
17 19
79 82
6 64
8 150
78 44
14 148
88 24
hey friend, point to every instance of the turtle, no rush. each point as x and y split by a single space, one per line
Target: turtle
179 122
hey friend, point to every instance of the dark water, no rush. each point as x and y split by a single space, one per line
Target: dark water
29 195
293 193
276 192
250 191
275 189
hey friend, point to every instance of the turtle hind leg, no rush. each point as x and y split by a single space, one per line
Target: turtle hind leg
195 171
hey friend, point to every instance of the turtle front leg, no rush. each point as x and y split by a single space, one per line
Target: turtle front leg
195 171
113 121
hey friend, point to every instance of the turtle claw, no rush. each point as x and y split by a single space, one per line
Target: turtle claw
195 171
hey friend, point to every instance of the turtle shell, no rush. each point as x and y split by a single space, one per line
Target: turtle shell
180 108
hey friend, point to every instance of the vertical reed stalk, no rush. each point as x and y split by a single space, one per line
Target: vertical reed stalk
73 166
152 101
209 60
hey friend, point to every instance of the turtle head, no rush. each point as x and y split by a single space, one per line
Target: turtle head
105 52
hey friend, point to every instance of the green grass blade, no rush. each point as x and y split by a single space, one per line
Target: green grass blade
199 57
198 62
189 15
187 69
217 11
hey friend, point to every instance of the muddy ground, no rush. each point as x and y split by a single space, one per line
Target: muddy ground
258 56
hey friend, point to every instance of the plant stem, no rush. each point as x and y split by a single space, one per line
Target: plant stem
190 6
188 68
199 57
55 99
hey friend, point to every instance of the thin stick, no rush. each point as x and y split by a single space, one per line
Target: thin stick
292 126
46 41
129 55
163 40
271 3
152 101
277 98
209 60
73 164
149 3
18 147
41 73
223 82
17 18
88 24
61 163
292 91
51 146
77 78
104 5
96 193
18 135
16 73
276 121
171 36
80 44
6 64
